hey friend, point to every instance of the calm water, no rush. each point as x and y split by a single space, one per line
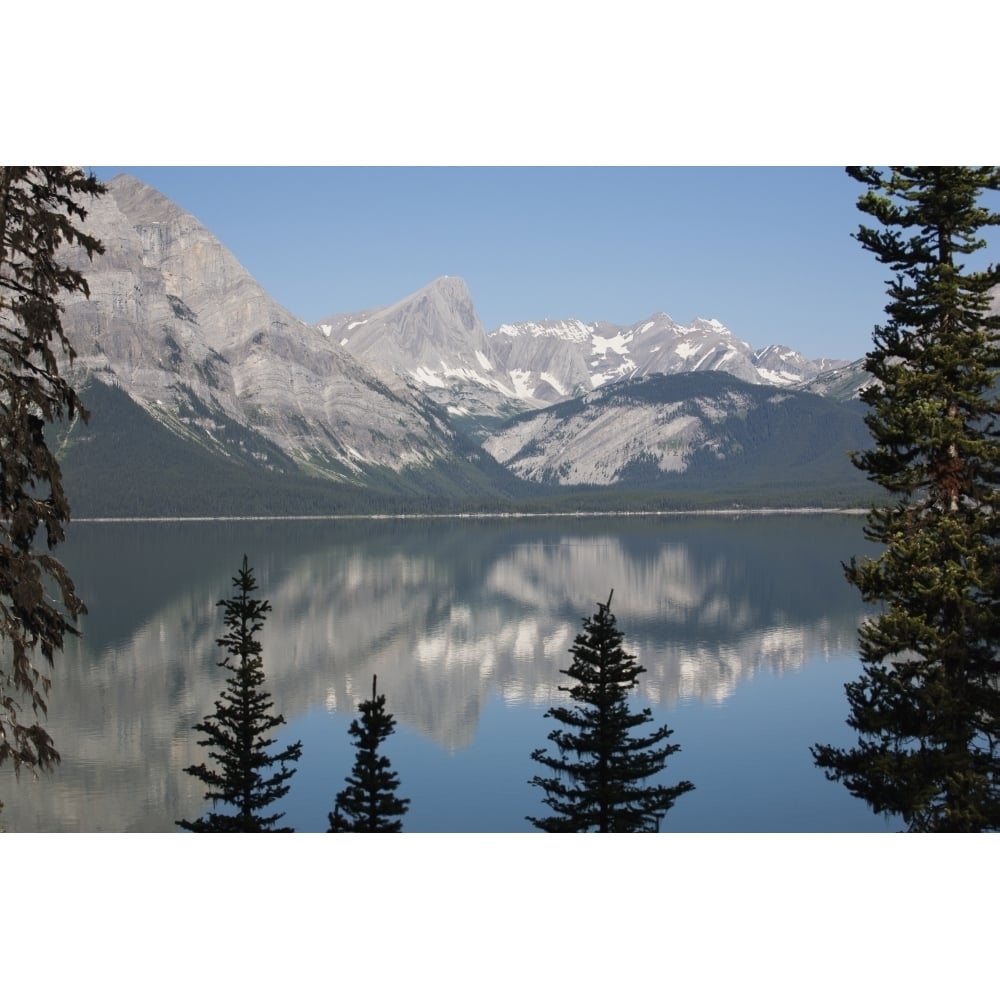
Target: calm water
745 626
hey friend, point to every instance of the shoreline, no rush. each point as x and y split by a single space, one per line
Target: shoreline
708 512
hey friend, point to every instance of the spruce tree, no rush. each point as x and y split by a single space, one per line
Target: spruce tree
247 776
40 208
927 706
602 771
369 803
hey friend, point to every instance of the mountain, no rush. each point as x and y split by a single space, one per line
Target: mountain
177 322
434 340
843 383
569 356
705 431
209 397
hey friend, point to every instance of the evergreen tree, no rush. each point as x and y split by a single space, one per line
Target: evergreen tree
369 803
39 209
602 771
927 706
248 777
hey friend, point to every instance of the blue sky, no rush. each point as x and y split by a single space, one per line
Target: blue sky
768 251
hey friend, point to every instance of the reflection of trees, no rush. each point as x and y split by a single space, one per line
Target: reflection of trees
448 613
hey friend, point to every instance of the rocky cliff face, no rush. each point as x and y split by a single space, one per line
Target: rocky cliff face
175 320
433 340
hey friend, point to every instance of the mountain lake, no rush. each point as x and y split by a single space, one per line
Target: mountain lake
744 623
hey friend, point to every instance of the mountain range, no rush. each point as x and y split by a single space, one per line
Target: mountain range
433 339
209 397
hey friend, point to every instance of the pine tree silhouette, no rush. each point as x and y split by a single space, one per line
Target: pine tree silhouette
248 777
369 804
601 770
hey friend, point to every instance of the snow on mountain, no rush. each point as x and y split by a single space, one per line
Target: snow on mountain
779 365
580 357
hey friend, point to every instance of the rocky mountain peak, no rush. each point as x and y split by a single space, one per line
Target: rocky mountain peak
440 311
436 322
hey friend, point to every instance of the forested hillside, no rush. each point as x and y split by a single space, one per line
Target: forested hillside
123 463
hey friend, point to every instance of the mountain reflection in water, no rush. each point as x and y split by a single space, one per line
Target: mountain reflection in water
454 615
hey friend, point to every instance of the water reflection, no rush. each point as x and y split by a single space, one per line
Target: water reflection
449 613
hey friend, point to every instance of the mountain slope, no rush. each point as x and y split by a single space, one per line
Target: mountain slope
125 463
692 430
176 322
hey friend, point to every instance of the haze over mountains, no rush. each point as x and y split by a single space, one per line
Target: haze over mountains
207 387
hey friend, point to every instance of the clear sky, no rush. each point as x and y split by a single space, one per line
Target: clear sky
767 251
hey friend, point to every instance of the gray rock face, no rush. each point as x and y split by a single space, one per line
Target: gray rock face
648 432
842 383
177 322
597 442
437 321
432 340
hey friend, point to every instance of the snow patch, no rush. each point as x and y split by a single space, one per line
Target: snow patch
618 343
554 382
343 342
572 330
357 322
469 375
778 377
688 350
484 361
326 328
426 377
522 383
713 323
